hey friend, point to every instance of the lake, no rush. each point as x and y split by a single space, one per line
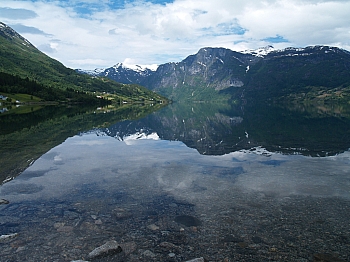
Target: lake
191 181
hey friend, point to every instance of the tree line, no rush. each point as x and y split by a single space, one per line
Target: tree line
12 84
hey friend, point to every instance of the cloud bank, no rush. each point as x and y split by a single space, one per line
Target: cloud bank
90 34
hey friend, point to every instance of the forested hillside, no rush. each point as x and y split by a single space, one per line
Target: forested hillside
20 58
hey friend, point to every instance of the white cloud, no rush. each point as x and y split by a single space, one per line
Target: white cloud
153 33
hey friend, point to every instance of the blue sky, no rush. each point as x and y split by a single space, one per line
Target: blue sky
91 34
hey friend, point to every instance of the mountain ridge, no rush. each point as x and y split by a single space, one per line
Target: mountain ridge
265 73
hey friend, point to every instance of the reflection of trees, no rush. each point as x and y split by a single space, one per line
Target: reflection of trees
26 137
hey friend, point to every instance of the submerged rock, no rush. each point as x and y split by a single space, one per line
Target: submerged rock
153 227
9 236
128 247
107 249
188 221
326 258
4 202
200 259
121 214
149 253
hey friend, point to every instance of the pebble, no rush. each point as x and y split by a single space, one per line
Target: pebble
273 249
168 245
4 202
128 247
109 248
148 253
200 259
326 258
153 227
58 225
65 229
19 249
98 222
9 236
230 236
121 213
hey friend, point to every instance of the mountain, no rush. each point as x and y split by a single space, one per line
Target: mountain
20 59
122 73
293 74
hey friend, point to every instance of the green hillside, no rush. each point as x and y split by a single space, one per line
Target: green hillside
20 58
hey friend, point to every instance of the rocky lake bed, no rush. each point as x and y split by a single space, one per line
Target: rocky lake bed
253 228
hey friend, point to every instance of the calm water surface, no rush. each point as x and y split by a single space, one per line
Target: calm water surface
185 183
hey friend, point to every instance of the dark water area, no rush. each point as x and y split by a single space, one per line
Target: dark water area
210 182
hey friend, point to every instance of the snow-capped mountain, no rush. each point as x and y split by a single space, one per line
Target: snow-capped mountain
264 72
94 72
122 73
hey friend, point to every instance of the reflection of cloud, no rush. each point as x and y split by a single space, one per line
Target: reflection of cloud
90 142
57 158
21 189
296 175
14 13
171 167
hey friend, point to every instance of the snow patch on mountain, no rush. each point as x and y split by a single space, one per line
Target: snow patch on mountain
137 68
94 72
141 68
289 51
260 52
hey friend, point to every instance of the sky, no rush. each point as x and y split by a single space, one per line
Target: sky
89 34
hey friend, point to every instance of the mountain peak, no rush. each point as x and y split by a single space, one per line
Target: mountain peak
260 52
136 68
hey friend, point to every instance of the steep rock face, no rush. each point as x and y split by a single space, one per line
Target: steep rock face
217 68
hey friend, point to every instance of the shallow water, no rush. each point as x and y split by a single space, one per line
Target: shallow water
164 201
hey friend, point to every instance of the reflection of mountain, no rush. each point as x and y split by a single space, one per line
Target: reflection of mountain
205 127
217 129
25 137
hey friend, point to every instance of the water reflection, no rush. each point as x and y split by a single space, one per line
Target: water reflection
186 182
170 166
25 137
151 193
216 129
